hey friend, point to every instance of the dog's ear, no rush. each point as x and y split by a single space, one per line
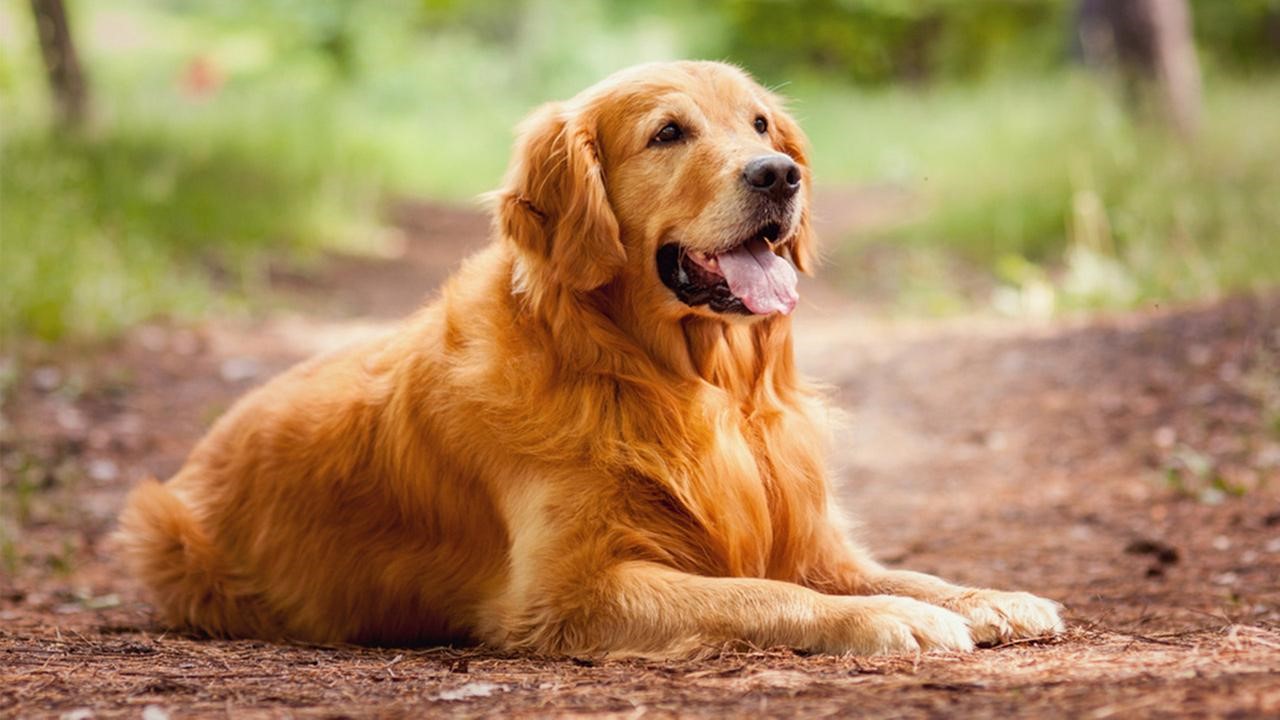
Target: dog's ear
792 141
553 204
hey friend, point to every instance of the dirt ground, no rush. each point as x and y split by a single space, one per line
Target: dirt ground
1128 466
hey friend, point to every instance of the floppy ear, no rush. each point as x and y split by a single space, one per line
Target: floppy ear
792 141
553 204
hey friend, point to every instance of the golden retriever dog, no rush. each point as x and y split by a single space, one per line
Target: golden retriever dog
594 441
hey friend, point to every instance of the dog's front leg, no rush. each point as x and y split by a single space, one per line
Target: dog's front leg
996 615
638 607
840 566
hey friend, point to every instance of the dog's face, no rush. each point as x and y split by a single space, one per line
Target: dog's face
686 180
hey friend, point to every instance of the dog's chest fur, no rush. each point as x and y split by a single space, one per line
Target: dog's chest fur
754 488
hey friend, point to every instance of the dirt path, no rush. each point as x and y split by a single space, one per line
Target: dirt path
1127 466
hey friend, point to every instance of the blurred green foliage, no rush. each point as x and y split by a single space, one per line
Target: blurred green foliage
106 230
1239 35
879 41
882 41
1044 194
230 134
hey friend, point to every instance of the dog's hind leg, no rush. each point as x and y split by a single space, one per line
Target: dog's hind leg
164 545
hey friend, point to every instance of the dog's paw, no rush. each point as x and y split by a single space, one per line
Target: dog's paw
996 616
889 625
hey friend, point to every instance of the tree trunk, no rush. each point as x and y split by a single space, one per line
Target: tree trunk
1151 43
1177 67
62 64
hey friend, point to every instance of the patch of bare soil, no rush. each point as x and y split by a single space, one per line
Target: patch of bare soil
1128 466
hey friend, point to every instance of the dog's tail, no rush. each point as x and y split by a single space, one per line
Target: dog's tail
164 546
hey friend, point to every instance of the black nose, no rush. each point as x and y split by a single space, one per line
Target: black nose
778 176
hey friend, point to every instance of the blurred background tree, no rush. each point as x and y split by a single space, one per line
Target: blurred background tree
61 60
1149 42
229 136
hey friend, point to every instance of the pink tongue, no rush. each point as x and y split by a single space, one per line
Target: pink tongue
764 282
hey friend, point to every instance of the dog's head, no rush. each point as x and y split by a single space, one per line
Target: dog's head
687 182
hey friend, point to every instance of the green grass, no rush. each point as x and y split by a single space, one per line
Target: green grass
1056 193
103 231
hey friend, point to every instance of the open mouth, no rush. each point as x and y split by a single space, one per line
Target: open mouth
748 278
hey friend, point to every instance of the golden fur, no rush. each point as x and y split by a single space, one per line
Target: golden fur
556 454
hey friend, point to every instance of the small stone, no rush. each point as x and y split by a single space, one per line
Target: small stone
103 470
470 690
1080 532
1212 496
154 712
1268 456
239 369
47 379
102 602
70 418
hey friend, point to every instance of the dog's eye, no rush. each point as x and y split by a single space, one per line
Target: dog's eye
762 125
669 133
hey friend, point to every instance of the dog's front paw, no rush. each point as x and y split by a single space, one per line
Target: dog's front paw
996 616
889 625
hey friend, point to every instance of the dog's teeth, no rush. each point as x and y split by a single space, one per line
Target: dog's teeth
703 259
